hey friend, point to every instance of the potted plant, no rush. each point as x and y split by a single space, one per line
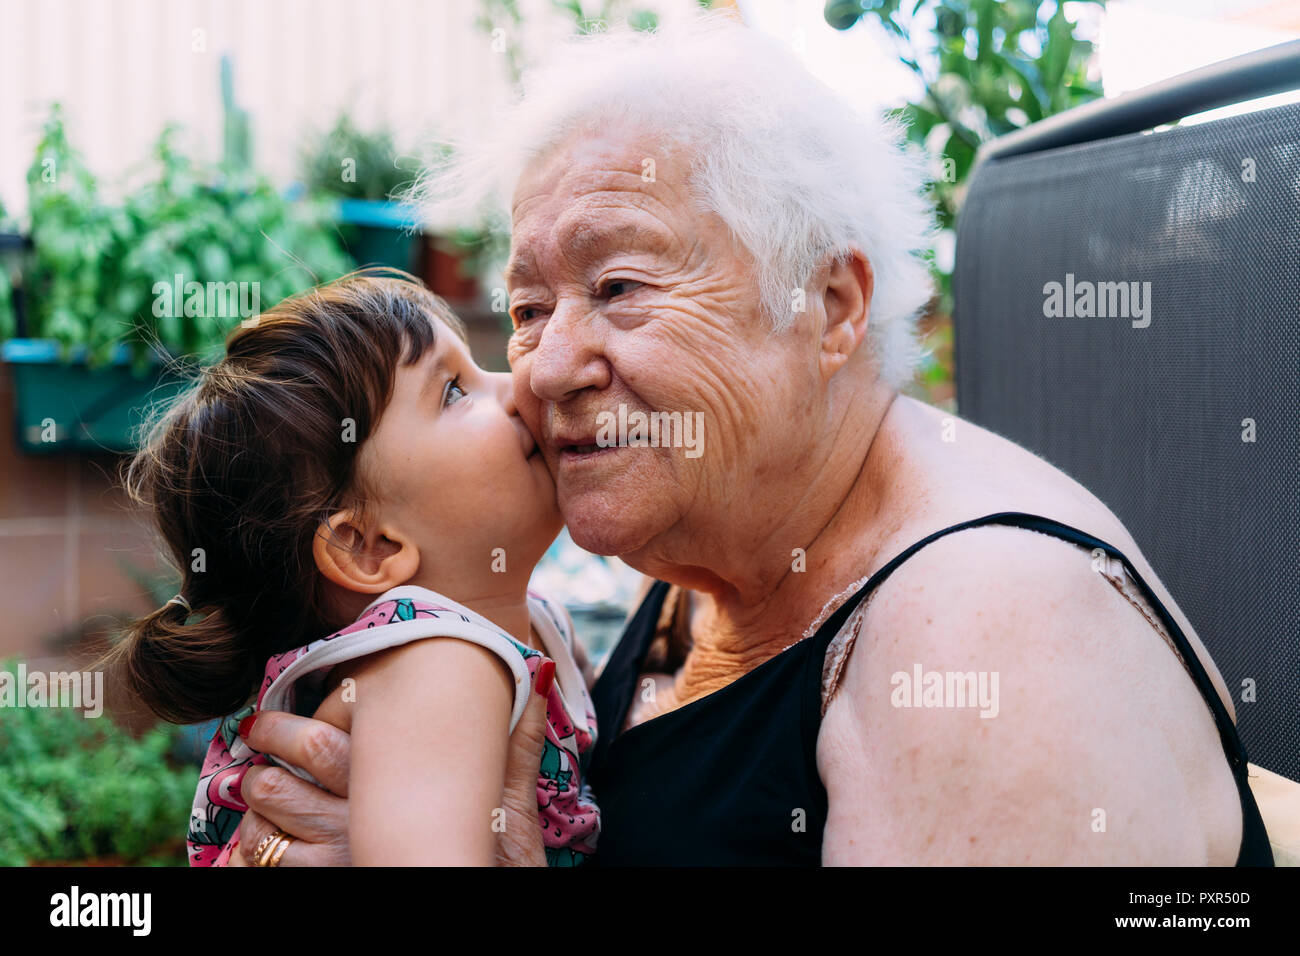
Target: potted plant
12 244
453 263
85 792
361 171
114 293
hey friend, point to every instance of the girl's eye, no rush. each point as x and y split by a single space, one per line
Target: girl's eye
452 387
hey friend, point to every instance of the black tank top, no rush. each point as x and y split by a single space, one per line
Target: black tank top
731 778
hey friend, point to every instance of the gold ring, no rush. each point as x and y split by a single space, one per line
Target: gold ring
279 849
263 851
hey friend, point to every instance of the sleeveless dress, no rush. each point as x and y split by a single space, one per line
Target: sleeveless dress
730 779
294 682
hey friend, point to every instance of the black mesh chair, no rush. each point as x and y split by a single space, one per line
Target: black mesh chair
1174 394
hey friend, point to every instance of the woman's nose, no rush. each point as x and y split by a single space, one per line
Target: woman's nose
568 356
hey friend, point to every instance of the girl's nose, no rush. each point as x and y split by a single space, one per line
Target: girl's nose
502 382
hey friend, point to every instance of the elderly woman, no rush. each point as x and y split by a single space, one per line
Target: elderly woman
875 634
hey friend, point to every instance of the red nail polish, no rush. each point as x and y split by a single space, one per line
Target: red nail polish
246 725
545 677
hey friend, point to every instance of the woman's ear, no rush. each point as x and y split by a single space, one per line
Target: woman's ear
847 300
361 560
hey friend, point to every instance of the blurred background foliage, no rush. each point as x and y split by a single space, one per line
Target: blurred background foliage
378 170
90 276
985 68
74 789
503 20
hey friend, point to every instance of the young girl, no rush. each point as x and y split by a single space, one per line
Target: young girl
357 508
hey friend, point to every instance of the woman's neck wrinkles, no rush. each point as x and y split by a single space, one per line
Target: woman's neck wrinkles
763 604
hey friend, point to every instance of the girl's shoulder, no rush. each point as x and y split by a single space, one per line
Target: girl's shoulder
297 681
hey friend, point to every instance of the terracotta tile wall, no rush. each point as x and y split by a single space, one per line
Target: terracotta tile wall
66 532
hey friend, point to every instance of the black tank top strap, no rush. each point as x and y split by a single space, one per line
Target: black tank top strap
1254 849
712 780
1232 745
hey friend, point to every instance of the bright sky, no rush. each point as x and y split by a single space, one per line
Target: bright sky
1144 41
1140 42
860 62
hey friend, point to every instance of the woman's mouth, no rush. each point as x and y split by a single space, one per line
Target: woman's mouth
577 453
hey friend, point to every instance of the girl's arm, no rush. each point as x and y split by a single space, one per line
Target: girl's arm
430 729
317 816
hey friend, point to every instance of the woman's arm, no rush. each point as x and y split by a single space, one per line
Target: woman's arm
430 725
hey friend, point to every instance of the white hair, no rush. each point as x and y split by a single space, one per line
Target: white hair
795 171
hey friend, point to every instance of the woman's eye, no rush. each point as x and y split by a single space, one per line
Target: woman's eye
616 287
453 388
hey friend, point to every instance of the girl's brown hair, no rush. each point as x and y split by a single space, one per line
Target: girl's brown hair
240 471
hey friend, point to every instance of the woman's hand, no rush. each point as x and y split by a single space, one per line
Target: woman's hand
318 818
520 842
277 799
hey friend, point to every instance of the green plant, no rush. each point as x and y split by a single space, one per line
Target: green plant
223 225
74 788
987 67
7 317
73 235
352 164
503 21
95 271
583 22
236 127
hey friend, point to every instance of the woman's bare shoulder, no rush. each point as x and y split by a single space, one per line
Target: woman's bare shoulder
978 472
992 661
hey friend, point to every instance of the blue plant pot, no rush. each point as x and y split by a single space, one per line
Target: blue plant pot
67 406
379 232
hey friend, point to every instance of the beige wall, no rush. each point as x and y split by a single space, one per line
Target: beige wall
122 68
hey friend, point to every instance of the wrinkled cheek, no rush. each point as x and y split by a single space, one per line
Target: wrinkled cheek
515 353
522 343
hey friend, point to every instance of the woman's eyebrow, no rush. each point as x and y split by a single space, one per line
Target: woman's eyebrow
590 243
519 269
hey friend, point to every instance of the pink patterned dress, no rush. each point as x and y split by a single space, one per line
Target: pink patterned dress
294 682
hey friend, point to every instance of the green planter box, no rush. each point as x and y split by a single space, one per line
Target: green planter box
66 406
379 233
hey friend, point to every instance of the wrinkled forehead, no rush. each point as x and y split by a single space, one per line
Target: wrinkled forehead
585 158
598 187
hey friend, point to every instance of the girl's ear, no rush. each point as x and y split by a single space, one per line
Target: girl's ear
366 562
